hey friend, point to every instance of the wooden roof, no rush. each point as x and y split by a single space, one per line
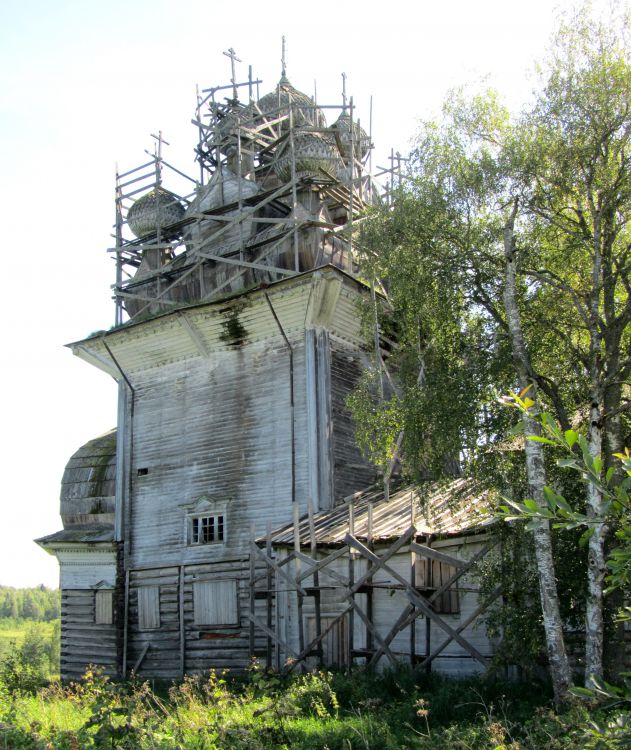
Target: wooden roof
440 508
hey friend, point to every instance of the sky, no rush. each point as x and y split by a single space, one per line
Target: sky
84 83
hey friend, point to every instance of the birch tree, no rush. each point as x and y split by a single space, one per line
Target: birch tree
577 190
528 223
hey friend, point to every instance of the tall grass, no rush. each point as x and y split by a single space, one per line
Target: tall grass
396 710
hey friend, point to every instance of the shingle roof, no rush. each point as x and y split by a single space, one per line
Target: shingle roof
444 509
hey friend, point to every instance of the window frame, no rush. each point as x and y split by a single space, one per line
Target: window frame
217 521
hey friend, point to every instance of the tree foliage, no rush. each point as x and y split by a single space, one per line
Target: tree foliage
506 256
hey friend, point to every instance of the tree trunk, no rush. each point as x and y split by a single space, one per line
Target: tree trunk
553 626
596 562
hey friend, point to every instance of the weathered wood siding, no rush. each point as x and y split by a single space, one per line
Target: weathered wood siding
83 641
389 601
220 428
351 470
182 644
205 423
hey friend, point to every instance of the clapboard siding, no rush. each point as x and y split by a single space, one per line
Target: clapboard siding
222 429
389 601
351 470
205 428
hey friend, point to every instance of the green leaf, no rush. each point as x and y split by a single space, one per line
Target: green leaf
538 439
567 463
571 437
581 692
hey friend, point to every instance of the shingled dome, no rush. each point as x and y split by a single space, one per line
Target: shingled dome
305 112
157 208
88 483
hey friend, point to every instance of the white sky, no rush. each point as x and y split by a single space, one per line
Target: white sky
83 83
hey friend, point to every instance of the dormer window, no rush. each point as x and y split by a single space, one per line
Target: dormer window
207 529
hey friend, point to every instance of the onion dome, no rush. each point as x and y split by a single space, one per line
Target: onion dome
224 187
312 154
276 104
157 208
342 130
88 486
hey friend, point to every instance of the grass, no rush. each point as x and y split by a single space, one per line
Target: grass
320 711
13 630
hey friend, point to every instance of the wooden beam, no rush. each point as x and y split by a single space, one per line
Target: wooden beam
425 551
246 264
332 574
255 621
318 639
459 573
140 659
416 598
378 561
273 564
374 631
495 593
193 334
402 621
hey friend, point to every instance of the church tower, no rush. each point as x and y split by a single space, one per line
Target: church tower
237 341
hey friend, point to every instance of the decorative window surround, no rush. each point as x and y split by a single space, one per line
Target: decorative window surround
205 522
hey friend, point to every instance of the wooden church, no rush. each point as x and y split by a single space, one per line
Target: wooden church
227 517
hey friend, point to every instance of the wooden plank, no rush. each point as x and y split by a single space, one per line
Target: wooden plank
317 566
143 653
278 569
459 573
416 599
318 639
424 551
378 561
494 594
182 629
383 645
272 635
401 623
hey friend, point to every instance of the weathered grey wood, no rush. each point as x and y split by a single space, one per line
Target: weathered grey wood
317 641
280 571
382 644
417 600
182 629
474 615
378 561
273 636
424 551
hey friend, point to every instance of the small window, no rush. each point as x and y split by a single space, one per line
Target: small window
215 603
149 607
103 607
430 576
207 529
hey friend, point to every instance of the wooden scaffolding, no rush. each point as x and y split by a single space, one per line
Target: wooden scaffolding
354 565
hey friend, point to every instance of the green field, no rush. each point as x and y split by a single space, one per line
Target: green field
14 631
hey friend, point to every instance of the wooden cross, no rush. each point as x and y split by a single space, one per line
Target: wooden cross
233 58
160 140
283 61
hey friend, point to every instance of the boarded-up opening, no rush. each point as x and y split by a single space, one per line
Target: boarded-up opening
149 607
334 643
215 603
103 607
430 576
